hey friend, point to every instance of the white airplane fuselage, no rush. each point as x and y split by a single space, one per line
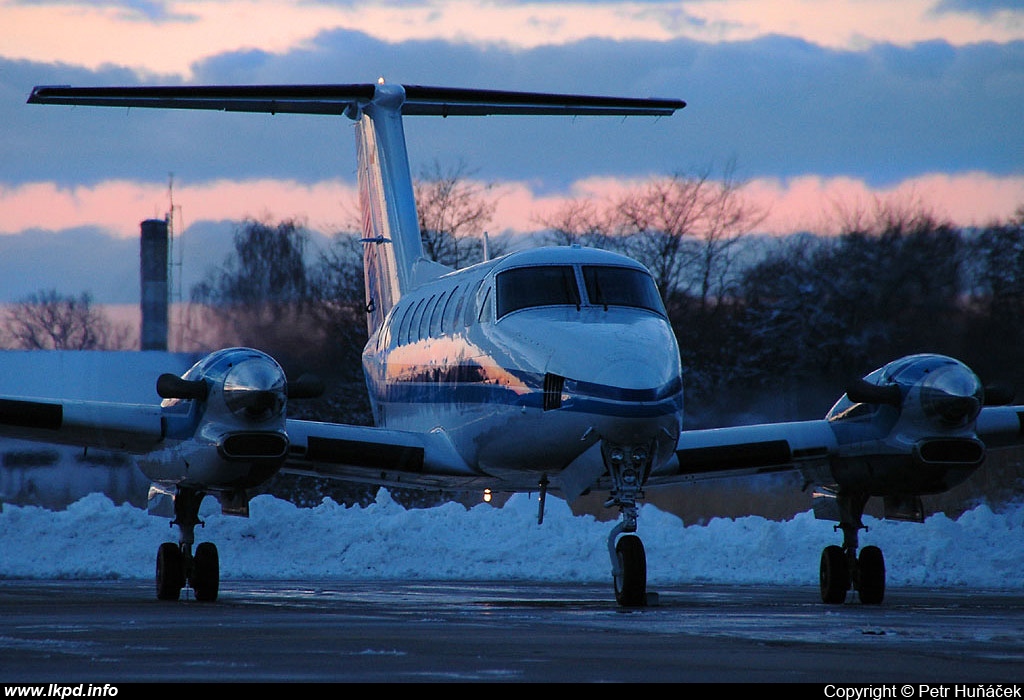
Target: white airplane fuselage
529 390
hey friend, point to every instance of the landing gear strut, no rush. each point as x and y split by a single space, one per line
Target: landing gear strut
175 563
628 468
842 569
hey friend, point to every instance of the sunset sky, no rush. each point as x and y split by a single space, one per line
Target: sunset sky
817 105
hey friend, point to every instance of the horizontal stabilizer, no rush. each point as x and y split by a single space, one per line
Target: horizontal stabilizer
348 99
297 99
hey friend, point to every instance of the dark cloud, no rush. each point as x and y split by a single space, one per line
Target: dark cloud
776 106
86 260
89 259
979 7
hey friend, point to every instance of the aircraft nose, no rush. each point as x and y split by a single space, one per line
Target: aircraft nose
952 395
626 369
642 356
630 372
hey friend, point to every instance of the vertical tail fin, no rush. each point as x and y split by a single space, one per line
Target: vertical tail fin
382 274
393 259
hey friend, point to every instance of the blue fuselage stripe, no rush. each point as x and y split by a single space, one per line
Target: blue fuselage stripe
581 397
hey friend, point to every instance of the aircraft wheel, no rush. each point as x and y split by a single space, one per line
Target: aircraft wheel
631 583
871 565
170 575
206 572
834 575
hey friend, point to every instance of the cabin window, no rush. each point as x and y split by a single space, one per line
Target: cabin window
621 286
414 321
451 311
424 324
435 315
547 285
384 334
459 305
470 307
485 307
402 336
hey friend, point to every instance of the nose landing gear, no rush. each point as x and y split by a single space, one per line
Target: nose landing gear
629 467
629 568
176 566
842 569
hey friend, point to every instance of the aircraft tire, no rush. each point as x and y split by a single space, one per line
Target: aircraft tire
631 584
871 565
834 575
206 572
170 576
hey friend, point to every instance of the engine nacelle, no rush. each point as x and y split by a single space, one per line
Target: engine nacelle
909 427
225 420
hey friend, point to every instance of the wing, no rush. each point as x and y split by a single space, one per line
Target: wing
131 428
751 449
378 456
1002 427
919 426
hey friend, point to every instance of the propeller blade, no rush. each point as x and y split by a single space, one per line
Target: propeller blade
999 395
862 391
308 386
171 386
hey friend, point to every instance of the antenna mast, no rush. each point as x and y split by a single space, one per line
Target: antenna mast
175 261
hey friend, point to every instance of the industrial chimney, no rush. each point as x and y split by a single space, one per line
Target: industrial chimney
153 273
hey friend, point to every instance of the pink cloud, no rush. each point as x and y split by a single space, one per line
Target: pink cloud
94 34
118 206
804 203
818 204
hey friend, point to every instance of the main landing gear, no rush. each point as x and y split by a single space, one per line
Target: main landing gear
842 569
176 566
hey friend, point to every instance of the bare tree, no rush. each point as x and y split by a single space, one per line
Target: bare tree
48 320
258 295
903 212
578 221
453 212
835 305
685 229
339 301
727 219
266 267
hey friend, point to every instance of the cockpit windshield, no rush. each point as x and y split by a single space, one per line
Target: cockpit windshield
546 285
621 286
556 285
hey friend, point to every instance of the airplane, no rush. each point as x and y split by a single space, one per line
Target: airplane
552 369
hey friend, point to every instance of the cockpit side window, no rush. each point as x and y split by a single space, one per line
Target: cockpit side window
546 285
621 286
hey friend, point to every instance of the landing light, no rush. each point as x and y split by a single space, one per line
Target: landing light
487 495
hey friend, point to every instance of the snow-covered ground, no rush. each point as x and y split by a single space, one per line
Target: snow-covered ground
95 539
